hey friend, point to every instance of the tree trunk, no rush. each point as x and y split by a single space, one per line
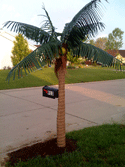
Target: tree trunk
61 141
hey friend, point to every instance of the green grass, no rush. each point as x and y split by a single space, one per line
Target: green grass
46 76
99 146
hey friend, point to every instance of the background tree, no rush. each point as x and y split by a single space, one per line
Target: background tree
115 39
20 49
101 42
86 23
72 59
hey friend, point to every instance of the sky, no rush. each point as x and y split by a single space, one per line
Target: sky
61 12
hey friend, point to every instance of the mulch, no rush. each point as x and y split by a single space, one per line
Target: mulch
43 149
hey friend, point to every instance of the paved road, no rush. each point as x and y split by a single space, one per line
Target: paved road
27 117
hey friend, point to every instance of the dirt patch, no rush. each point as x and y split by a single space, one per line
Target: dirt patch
43 149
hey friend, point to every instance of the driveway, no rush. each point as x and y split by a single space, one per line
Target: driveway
26 117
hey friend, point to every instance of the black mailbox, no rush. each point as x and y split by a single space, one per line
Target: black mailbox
50 92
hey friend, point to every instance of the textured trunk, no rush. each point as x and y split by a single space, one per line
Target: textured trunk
61 109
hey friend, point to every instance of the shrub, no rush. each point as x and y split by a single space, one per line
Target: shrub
8 68
95 64
4 68
80 66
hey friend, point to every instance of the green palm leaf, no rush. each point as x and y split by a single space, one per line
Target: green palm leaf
83 21
77 34
37 59
31 32
48 26
95 54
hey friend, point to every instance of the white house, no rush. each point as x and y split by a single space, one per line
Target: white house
6 45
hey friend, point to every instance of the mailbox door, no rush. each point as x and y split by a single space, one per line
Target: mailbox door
48 92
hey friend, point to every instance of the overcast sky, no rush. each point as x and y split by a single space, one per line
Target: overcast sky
61 12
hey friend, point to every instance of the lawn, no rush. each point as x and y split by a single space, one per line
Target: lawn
46 76
98 146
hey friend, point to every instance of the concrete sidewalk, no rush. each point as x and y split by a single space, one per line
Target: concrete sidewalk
26 117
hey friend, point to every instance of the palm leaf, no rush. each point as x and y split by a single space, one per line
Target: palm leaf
77 34
36 59
83 21
48 23
41 35
95 54
31 32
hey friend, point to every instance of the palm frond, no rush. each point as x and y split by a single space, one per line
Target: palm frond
36 60
41 35
30 31
95 54
87 16
48 24
79 33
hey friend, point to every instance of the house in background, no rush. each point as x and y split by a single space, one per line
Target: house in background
119 54
6 45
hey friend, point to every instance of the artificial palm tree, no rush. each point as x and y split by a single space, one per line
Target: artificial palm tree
54 45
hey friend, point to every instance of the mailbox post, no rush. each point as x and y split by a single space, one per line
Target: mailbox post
50 92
